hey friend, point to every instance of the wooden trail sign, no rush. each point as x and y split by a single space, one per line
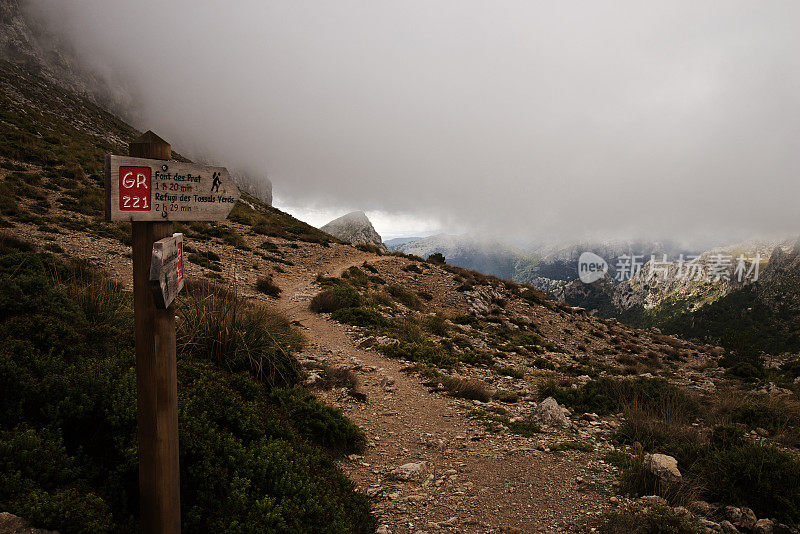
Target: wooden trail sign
149 190
141 189
166 270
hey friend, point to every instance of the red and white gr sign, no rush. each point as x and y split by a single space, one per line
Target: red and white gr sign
135 187
141 189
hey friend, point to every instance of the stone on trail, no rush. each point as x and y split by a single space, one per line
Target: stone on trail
409 471
550 413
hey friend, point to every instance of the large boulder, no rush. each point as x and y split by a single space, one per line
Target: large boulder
354 228
664 467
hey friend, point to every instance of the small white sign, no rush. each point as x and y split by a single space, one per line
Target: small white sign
166 270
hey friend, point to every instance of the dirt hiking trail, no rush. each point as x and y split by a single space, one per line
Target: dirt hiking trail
465 479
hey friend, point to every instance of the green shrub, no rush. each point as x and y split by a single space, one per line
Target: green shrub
412 268
407 328
524 428
10 243
727 436
338 297
664 433
205 259
436 257
543 363
265 285
534 295
373 249
423 352
269 246
404 296
761 477
466 388
320 424
250 453
217 325
774 415
509 397
437 324
328 281
791 368
607 395
364 317
655 519
477 357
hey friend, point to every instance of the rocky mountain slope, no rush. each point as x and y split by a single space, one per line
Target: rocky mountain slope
397 241
27 43
354 228
761 316
486 256
485 405
559 262
672 296
547 267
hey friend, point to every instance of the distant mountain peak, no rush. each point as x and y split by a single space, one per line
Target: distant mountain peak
354 228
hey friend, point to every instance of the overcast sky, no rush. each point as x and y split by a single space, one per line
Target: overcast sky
554 120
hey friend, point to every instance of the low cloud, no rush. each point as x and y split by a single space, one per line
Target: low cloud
539 120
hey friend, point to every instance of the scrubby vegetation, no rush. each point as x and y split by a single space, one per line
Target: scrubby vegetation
655 519
338 297
608 395
719 463
265 285
269 221
761 328
255 449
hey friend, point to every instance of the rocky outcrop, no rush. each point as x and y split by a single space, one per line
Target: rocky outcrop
354 228
257 185
780 282
27 42
485 255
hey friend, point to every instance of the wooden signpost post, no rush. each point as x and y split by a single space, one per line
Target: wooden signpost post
151 191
